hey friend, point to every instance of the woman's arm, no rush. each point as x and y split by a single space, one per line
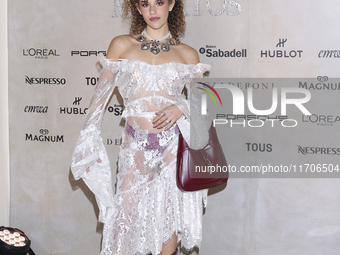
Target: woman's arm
86 152
169 115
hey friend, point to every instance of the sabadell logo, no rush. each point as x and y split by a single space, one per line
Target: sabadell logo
211 51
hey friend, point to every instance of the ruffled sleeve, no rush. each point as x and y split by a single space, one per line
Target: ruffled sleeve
194 126
90 147
195 71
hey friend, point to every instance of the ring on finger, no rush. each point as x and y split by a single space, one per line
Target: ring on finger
167 121
163 114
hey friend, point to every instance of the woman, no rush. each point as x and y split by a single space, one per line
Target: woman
148 214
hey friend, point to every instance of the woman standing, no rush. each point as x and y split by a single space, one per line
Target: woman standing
148 214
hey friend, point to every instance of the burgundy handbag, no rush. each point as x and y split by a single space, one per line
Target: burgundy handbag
201 169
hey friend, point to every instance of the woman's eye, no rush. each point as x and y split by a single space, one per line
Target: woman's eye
160 3
144 3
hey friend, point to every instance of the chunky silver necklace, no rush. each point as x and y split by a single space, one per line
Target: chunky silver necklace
154 44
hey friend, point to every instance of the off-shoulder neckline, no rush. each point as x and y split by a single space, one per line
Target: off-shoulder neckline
146 63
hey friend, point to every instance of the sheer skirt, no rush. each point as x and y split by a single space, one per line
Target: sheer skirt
148 206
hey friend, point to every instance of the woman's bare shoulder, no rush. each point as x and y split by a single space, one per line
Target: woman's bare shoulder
189 54
118 46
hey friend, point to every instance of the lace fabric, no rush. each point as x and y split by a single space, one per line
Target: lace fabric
147 207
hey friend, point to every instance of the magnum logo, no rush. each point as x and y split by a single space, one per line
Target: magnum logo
44 137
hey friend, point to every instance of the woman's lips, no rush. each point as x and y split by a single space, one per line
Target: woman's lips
154 18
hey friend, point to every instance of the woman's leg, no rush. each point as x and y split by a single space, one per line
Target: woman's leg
170 247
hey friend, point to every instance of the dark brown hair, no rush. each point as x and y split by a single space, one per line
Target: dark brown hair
176 19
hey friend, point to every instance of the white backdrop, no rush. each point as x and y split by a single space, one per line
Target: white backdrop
59 40
4 150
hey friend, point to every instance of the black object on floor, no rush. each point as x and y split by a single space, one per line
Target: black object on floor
13 241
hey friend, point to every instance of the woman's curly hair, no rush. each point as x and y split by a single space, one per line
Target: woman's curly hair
176 19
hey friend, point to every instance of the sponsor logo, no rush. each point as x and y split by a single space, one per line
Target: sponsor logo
229 7
40 53
281 43
321 84
245 85
281 53
91 80
86 53
74 110
318 151
113 141
36 109
329 54
44 137
259 147
321 120
116 109
211 51
253 85
77 100
45 81
322 78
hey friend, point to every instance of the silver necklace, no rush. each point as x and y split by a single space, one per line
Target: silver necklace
154 45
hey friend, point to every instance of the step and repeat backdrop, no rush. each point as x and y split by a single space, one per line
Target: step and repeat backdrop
275 66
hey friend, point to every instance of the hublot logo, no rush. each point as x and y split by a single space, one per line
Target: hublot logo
74 110
281 53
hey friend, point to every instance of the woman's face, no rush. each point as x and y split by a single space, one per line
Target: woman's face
155 12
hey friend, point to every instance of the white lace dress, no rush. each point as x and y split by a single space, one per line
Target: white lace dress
148 207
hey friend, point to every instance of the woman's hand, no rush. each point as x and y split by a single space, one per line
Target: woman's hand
98 160
167 117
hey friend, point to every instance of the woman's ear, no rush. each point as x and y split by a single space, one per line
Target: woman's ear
171 6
